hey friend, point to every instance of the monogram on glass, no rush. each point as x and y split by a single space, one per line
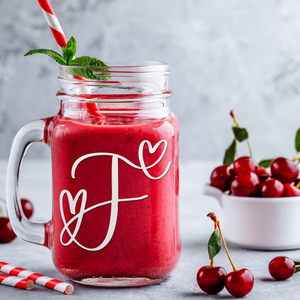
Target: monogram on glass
114 149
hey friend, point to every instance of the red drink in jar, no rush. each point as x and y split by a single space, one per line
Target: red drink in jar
115 177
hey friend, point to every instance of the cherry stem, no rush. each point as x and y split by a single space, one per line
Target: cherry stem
212 265
297 266
238 125
296 159
298 185
217 223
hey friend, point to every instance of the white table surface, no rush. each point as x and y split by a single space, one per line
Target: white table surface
35 184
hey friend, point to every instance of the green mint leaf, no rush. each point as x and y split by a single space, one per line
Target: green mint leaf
297 269
53 54
79 65
297 141
240 134
214 244
230 154
266 163
86 61
70 50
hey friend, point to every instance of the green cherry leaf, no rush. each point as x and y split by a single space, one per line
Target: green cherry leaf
214 243
53 54
297 269
240 134
230 154
266 163
297 141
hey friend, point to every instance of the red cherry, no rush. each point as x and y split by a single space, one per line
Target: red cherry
290 190
262 174
27 207
6 232
211 280
281 268
297 181
262 171
245 164
221 177
285 170
263 177
272 188
239 283
246 185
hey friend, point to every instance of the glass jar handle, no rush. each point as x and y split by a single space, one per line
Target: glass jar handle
28 134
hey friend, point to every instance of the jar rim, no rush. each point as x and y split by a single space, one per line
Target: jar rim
127 68
117 81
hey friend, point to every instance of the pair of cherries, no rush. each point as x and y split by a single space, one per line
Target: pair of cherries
212 280
247 179
6 232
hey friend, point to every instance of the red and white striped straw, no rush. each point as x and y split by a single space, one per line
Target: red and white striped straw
53 23
39 279
21 283
61 41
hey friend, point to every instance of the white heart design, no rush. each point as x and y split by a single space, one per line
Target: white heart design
152 150
72 206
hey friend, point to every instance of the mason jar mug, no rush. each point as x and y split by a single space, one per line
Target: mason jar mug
114 149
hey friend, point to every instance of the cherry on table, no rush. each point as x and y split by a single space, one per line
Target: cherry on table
211 280
285 170
272 188
281 268
245 164
239 283
246 185
27 207
6 232
290 190
221 177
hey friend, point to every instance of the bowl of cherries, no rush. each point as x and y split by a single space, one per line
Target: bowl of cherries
260 201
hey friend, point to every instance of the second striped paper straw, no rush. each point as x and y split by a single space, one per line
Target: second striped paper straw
21 283
39 279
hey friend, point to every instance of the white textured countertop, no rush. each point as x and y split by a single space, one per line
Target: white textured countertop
35 184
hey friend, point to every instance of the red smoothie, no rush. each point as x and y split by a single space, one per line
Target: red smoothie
115 196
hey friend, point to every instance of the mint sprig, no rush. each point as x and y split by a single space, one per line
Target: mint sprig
53 54
70 50
77 65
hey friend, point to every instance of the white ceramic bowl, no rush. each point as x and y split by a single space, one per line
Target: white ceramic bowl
259 223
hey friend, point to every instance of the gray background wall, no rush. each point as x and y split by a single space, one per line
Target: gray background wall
233 54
